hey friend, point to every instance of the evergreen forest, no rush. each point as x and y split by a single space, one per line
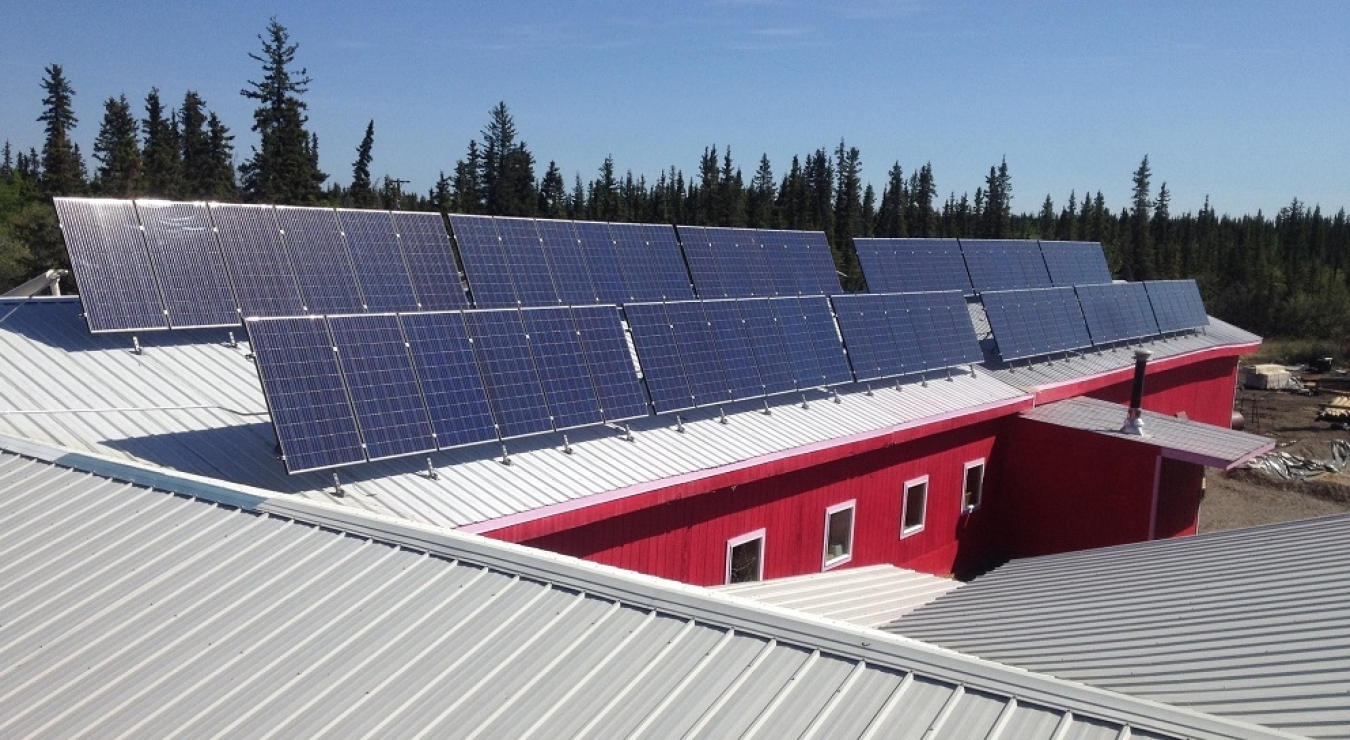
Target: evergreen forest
1281 275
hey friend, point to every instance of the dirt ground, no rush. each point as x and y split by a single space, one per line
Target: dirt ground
1245 499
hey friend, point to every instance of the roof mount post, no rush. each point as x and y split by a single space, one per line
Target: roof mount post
679 424
567 445
135 345
431 471
722 416
766 410
337 486
834 395
233 343
805 405
868 392
506 455
1134 418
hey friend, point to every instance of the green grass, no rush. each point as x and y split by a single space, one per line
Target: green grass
1298 351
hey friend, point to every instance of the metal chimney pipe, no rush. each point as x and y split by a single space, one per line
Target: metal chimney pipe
1134 420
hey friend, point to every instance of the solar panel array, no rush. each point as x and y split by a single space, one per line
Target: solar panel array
158 265
1117 312
345 389
974 265
1005 264
748 263
894 334
1034 323
1075 263
1176 305
913 265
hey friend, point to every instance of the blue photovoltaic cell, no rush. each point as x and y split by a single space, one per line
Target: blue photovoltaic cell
639 272
556 347
323 266
663 254
1117 312
598 249
525 256
866 326
260 270
1033 323
449 377
1176 305
878 259
383 386
504 359
1005 264
609 362
824 338
1075 263
782 262
431 263
698 352
759 263
659 349
734 280
767 344
733 347
817 261
380 269
798 342
315 425
941 326
112 269
913 265
485 263
186 258
566 262
704 261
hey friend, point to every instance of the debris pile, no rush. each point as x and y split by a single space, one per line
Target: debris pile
1290 467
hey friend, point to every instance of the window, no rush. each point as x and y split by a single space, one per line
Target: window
973 493
914 506
745 557
838 534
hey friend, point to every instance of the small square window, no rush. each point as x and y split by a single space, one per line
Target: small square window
838 534
973 492
914 506
745 558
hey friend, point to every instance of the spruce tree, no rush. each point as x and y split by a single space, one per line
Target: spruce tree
507 168
162 152
759 205
360 193
922 216
62 168
118 151
284 166
1048 220
1138 257
7 161
205 152
468 183
220 185
890 221
553 193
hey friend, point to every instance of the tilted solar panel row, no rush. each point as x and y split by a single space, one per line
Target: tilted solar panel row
344 389
978 265
1177 305
894 334
157 265
1117 312
1035 323
748 263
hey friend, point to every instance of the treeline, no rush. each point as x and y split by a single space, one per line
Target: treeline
1285 275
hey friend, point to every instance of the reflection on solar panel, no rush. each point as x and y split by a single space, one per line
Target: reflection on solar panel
598 249
431 264
323 268
448 374
1005 264
183 250
111 266
485 263
250 242
658 348
768 345
566 262
1117 312
509 376
610 364
1034 323
913 265
1176 305
315 425
1075 263
384 392
556 347
698 352
733 344
378 262
525 256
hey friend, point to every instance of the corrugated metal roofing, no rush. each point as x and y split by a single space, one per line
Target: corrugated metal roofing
1180 439
130 611
870 596
1250 624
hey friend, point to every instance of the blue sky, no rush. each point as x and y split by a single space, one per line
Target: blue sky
1243 101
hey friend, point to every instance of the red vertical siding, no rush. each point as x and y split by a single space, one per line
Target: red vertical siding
1203 390
1180 489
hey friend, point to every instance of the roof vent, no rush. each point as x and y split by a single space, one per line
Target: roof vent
1134 420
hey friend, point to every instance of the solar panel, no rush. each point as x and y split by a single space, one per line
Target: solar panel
558 356
509 376
323 266
760 263
733 347
703 260
698 352
1005 264
1075 263
913 265
824 337
525 256
1117 312
260 269
379 376
1176 305
782 269
1034 323
609 362
798 342
431 263
663 254
658 349
380 269
566 262
303 385
768 345
111 266
649 259
819 275
866 326
940 324
732 277
186 257
597 247
485 263
447 372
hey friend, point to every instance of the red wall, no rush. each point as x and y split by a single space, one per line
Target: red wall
1203 390
1180 489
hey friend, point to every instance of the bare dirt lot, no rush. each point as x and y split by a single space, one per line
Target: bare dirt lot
1245 499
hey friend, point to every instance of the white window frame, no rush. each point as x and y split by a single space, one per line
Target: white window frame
827 562
904 507
732 543
965 475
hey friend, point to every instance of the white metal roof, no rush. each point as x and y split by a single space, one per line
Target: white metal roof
870 596
1251 624
132 611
